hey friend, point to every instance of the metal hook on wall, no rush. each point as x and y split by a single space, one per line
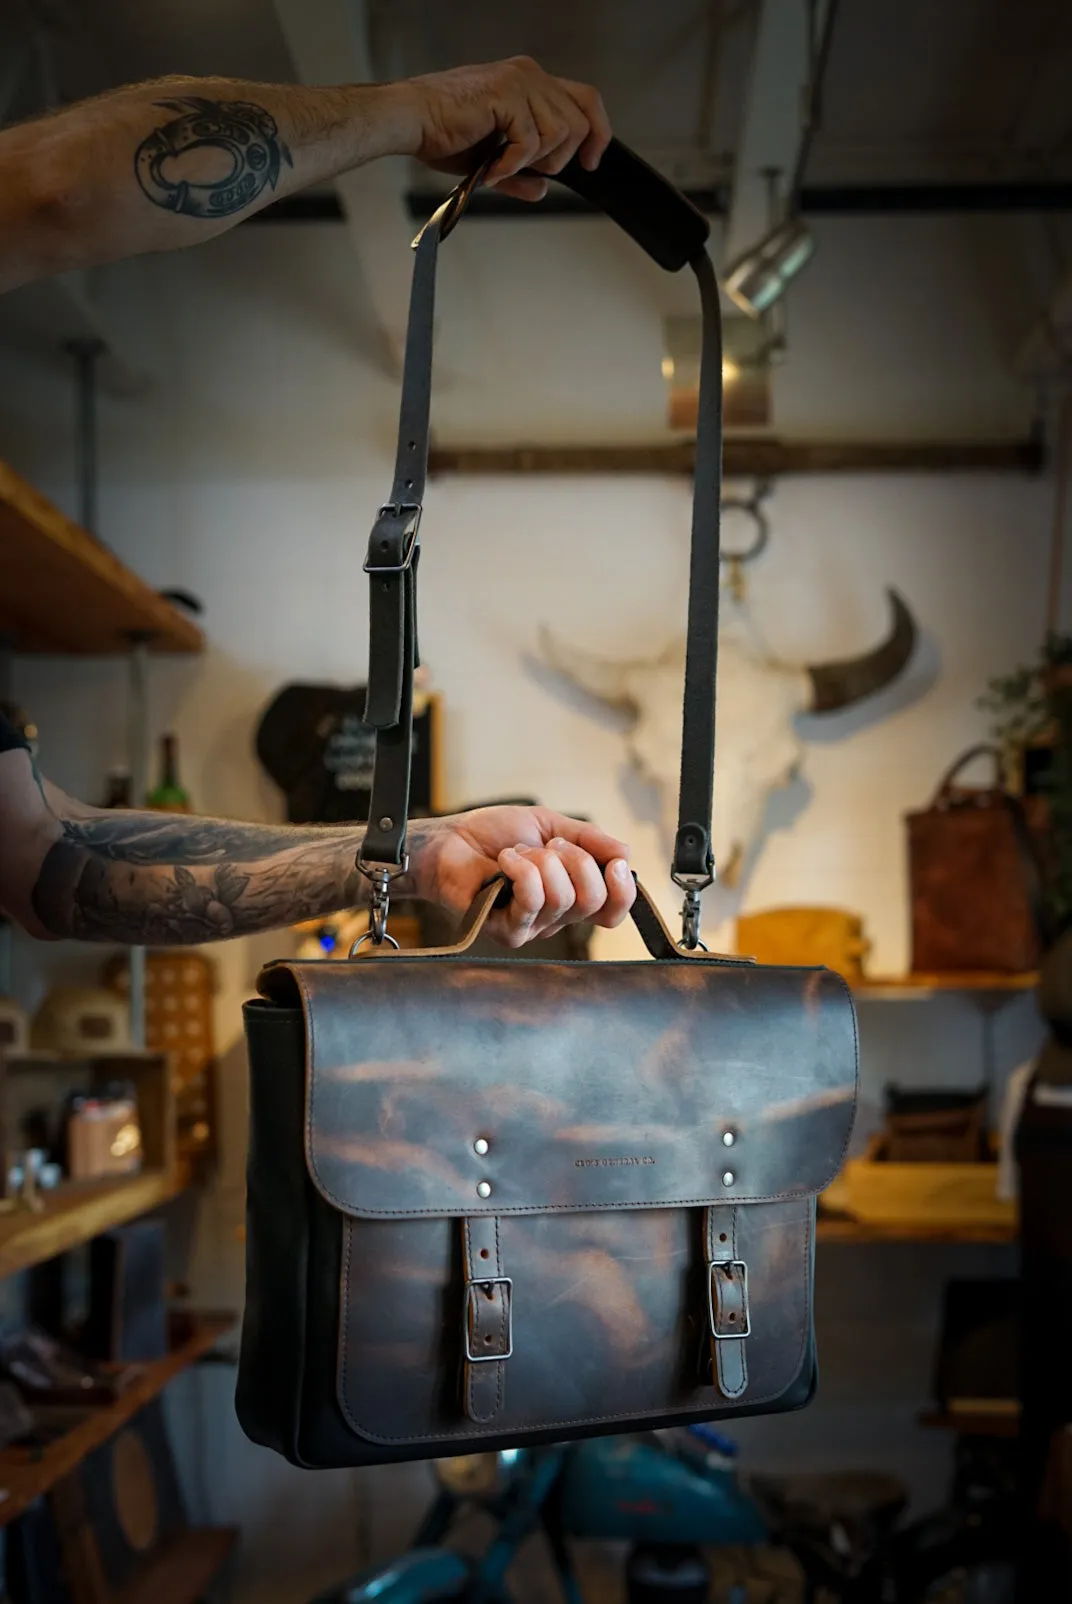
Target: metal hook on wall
752 506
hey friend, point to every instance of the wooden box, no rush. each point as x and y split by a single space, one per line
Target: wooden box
953 1196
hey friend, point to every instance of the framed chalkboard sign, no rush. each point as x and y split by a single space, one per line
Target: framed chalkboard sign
314 743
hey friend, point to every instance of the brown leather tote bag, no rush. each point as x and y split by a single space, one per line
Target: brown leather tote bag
973 877
494 1203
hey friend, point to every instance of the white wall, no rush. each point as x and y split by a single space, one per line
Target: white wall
249 474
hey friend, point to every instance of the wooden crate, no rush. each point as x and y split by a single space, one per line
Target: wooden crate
876 1192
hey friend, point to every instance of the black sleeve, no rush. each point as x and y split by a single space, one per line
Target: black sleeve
10 737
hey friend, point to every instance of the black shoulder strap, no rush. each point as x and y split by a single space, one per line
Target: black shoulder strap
674 233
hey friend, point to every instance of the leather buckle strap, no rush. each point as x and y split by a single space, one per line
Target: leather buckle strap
408 512
474 1326
487 1319
727 1300
728 1317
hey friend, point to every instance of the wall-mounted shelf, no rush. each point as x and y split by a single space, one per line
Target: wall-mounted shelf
899 988
999 1418
77 1211
27 1473
65 592
841 1228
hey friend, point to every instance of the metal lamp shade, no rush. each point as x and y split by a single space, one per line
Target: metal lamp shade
758 278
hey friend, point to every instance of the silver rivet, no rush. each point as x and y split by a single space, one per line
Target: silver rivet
387 823
483 1189
728 1177
728 1138
481 1145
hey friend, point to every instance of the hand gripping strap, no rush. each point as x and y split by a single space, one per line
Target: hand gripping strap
673 232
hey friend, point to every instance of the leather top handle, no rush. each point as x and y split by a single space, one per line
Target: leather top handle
643 203
983 749
673 233
644 913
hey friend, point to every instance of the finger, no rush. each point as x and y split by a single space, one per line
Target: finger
513 925
599 133
621 894
522 145
602 846
586 878
523 186
558 892
563 126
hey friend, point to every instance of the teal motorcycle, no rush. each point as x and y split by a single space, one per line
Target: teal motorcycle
673 1494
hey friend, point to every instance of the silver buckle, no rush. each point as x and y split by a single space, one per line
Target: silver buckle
396 510
470 1288
728 1336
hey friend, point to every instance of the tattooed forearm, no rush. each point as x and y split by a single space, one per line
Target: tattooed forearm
157 879
179 164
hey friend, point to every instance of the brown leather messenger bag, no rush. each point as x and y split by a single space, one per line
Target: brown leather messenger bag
494 1203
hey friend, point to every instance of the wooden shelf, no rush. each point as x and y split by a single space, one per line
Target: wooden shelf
64 591
840 1228
893 988
182 1569
27 1473
1002 1420
77 1211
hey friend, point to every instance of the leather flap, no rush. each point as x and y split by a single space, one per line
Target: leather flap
569 1086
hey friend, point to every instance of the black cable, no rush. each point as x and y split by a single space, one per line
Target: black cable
819 59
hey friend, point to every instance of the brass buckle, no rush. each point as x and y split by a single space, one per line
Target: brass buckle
470 1288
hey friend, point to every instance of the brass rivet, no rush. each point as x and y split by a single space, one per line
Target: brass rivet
387 823
728 1178
483 1189
481 1145
728 1138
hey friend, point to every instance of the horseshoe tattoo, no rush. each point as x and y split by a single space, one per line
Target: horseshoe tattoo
244 132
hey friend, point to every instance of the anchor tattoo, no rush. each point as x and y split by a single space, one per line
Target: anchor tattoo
241 130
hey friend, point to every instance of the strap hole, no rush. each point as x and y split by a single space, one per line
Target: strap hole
409 484
487 1342
722 1236
732 1318
411 445
484 1253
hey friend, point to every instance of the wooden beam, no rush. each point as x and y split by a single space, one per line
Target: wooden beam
750 458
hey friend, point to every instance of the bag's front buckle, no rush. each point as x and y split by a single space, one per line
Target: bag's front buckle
472 1289
397 510
742 1327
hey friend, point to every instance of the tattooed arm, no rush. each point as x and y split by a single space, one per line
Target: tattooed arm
160 165
162 878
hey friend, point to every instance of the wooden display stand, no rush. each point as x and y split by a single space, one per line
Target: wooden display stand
950 1199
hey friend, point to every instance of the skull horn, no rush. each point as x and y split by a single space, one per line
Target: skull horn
839 685
601 678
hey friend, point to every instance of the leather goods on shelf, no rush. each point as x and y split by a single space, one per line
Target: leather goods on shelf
494 1203
832 937
936 1127
972 877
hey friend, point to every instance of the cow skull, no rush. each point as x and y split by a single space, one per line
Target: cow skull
758 746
